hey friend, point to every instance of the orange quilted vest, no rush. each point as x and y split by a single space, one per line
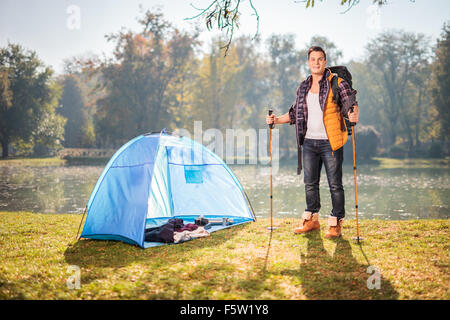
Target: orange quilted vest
334 123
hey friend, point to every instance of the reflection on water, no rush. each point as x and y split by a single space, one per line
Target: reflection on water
394 194
382 194
47 189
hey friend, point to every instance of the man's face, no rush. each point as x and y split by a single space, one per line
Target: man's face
317 62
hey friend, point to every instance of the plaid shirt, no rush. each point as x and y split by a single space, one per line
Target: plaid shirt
298 112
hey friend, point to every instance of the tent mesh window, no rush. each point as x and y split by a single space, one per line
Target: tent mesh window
193 174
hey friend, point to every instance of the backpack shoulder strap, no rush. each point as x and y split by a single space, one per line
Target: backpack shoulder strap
334 88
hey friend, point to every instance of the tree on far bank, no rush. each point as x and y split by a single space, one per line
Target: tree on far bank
78 131
441 82
29 99
287 67
398 62
217 88
137 80
5 105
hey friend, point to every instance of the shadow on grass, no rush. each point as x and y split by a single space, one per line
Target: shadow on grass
10 290
163 271
338 276
116 254
264 270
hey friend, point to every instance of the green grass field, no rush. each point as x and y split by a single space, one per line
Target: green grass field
243 262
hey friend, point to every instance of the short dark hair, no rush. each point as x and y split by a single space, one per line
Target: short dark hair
317 48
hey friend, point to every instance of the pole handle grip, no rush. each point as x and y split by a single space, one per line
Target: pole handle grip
270 113
352 123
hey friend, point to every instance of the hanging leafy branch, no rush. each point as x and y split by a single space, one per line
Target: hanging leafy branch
224 14
350 3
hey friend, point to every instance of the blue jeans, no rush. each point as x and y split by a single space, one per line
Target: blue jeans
316 152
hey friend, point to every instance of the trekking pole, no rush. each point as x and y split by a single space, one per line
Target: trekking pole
271 228
352 129
79 227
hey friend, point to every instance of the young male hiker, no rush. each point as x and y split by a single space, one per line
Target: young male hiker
320 129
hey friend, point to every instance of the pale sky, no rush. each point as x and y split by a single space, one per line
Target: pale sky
48 26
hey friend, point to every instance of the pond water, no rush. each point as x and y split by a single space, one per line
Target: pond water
396 194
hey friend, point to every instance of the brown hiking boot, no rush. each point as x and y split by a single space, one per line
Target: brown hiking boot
310 222
335 225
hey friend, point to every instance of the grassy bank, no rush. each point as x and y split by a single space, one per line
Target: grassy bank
244 262
412 163
33 162
54 162
88 161
381 163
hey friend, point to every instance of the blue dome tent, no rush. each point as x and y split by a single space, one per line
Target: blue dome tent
156 177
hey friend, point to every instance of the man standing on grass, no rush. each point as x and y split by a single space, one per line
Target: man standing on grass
321 130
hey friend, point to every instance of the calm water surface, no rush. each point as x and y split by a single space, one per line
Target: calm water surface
382 193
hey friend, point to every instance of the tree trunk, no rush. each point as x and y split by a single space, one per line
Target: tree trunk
5 145
418 115
407 127
392 133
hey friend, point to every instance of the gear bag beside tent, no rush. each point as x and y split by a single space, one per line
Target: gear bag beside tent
156 177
